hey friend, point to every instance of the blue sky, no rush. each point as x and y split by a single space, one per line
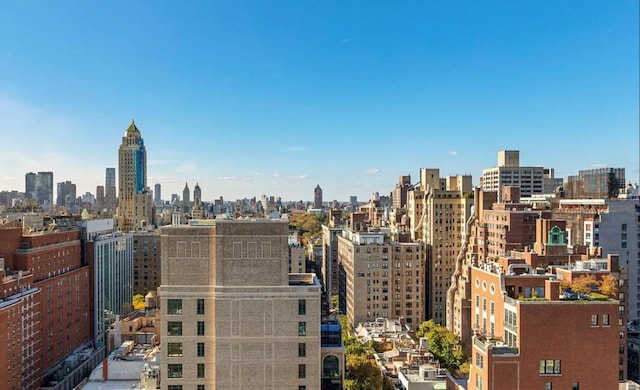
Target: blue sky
274 97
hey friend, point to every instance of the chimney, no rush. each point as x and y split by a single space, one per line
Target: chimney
613 263
105 370
552 289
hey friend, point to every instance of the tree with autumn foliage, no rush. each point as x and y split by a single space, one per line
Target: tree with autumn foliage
609 286
138 302
584 284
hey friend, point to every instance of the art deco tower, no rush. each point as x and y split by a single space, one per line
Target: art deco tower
134 198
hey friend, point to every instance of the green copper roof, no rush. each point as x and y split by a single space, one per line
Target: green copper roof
132 127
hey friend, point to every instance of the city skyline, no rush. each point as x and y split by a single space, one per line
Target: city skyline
250 99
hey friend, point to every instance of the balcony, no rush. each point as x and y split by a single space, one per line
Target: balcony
496 346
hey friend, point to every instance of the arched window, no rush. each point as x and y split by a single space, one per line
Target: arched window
331 367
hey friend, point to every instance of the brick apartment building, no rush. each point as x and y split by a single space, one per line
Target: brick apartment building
528 337
56 309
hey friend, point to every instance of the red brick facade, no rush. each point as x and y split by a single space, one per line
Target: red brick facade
55 319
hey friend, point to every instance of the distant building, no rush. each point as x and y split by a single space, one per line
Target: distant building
186 203
317 197
598 183
530 180
135 209
30 185
100 198
110 192
329 265
157 194
40 187
400 192
66 195
110 178
231 312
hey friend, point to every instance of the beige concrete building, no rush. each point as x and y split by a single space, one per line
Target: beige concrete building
438 209
531 180
381 279
232 317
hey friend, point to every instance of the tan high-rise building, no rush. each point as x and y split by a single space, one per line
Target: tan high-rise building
135 206
232 316
437 210
381 279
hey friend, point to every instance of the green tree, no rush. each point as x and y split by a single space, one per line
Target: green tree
352 346
362 374
443 344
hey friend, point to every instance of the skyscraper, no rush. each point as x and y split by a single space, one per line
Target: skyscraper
110 189
44 189
157 195
134 198
110 178
99 198
186 204
317 197
30 185
66 194
197 194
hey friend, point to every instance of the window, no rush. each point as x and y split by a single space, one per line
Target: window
174 328
302 350
200 306
200 328
547 386
575 386
200 373
302 328
200 349
479 384
174 387
605 320
174 349
302 387
479 361
174 370
594 320
302 307
200 387
174 307
550 367
302 371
